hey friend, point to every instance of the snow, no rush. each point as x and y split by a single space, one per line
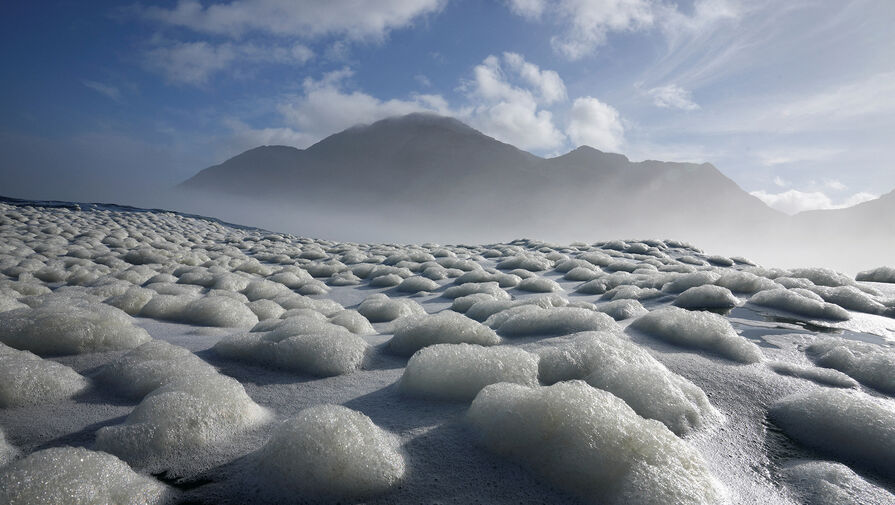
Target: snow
26 379
847 425
870 364
416 332
699 330
600 449
789 300
62 325
329 451
77 476
613 363
460 371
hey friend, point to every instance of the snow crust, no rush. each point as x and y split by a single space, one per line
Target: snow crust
600 448
460 371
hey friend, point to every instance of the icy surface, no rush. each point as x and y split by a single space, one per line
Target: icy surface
77 476
599 448
460 371
26 379
700 330
329 451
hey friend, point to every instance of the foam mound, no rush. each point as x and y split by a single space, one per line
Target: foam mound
870 364
417 284
592 444
827 483
691 280
448 327
698 330
329 451
613 363
77 476
845 424
186 417
26 379
460 371
64 325
789 300
7 451
744 282
622 309
218 311
706 297
880 274
317 348
353 321
534 320
379 308
823 376
151 366
539 285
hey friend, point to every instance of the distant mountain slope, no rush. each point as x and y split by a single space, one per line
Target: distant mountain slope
441 168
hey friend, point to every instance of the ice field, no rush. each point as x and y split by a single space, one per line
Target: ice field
149 357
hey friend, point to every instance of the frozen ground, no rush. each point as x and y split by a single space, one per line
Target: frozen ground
151 357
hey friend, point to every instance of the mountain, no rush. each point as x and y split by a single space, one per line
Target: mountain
439 171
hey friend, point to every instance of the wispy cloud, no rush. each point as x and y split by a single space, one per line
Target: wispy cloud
106 90
672 97
794 201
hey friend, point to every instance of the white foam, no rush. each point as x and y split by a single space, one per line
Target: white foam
880 274
699 330
151 366
218 311
329 451
469 288
845 424
790 300
539 285
132 300
460 371
534 320
824 376
64 325
7 451
77 476
744 282
353 321
691 280
827 483
379 308
266 309
706 297
464 303
416 284
613 363
871 364
599 449
622 309
26 379
415 332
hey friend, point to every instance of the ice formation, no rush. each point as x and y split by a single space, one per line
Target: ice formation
613 363
700 330
448 327
845 424
329 451
26 379
706 297
599 449
77 476
871 364
62 325
460 371
799 303
180 420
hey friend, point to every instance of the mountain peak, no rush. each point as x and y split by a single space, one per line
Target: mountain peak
420 120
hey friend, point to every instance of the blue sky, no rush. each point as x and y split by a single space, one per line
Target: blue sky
793 100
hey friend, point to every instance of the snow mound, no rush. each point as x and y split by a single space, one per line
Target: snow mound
64 325
448 327
323 350
827 483
880 274
218 311
460 371
379 308
698 330
799 303
845 424
613 363
77 476
870 364
534 320
151 366
706 297
591 443
183 419
622 309
824 376
329 451
26 379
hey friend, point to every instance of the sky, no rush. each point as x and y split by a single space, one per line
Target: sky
794 101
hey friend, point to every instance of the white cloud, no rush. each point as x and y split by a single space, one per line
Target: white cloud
531 9
835 185
104 89
195 62
510 112
596 124
795 201
422 80
672 97
326 107
295 18
246 137
773 157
